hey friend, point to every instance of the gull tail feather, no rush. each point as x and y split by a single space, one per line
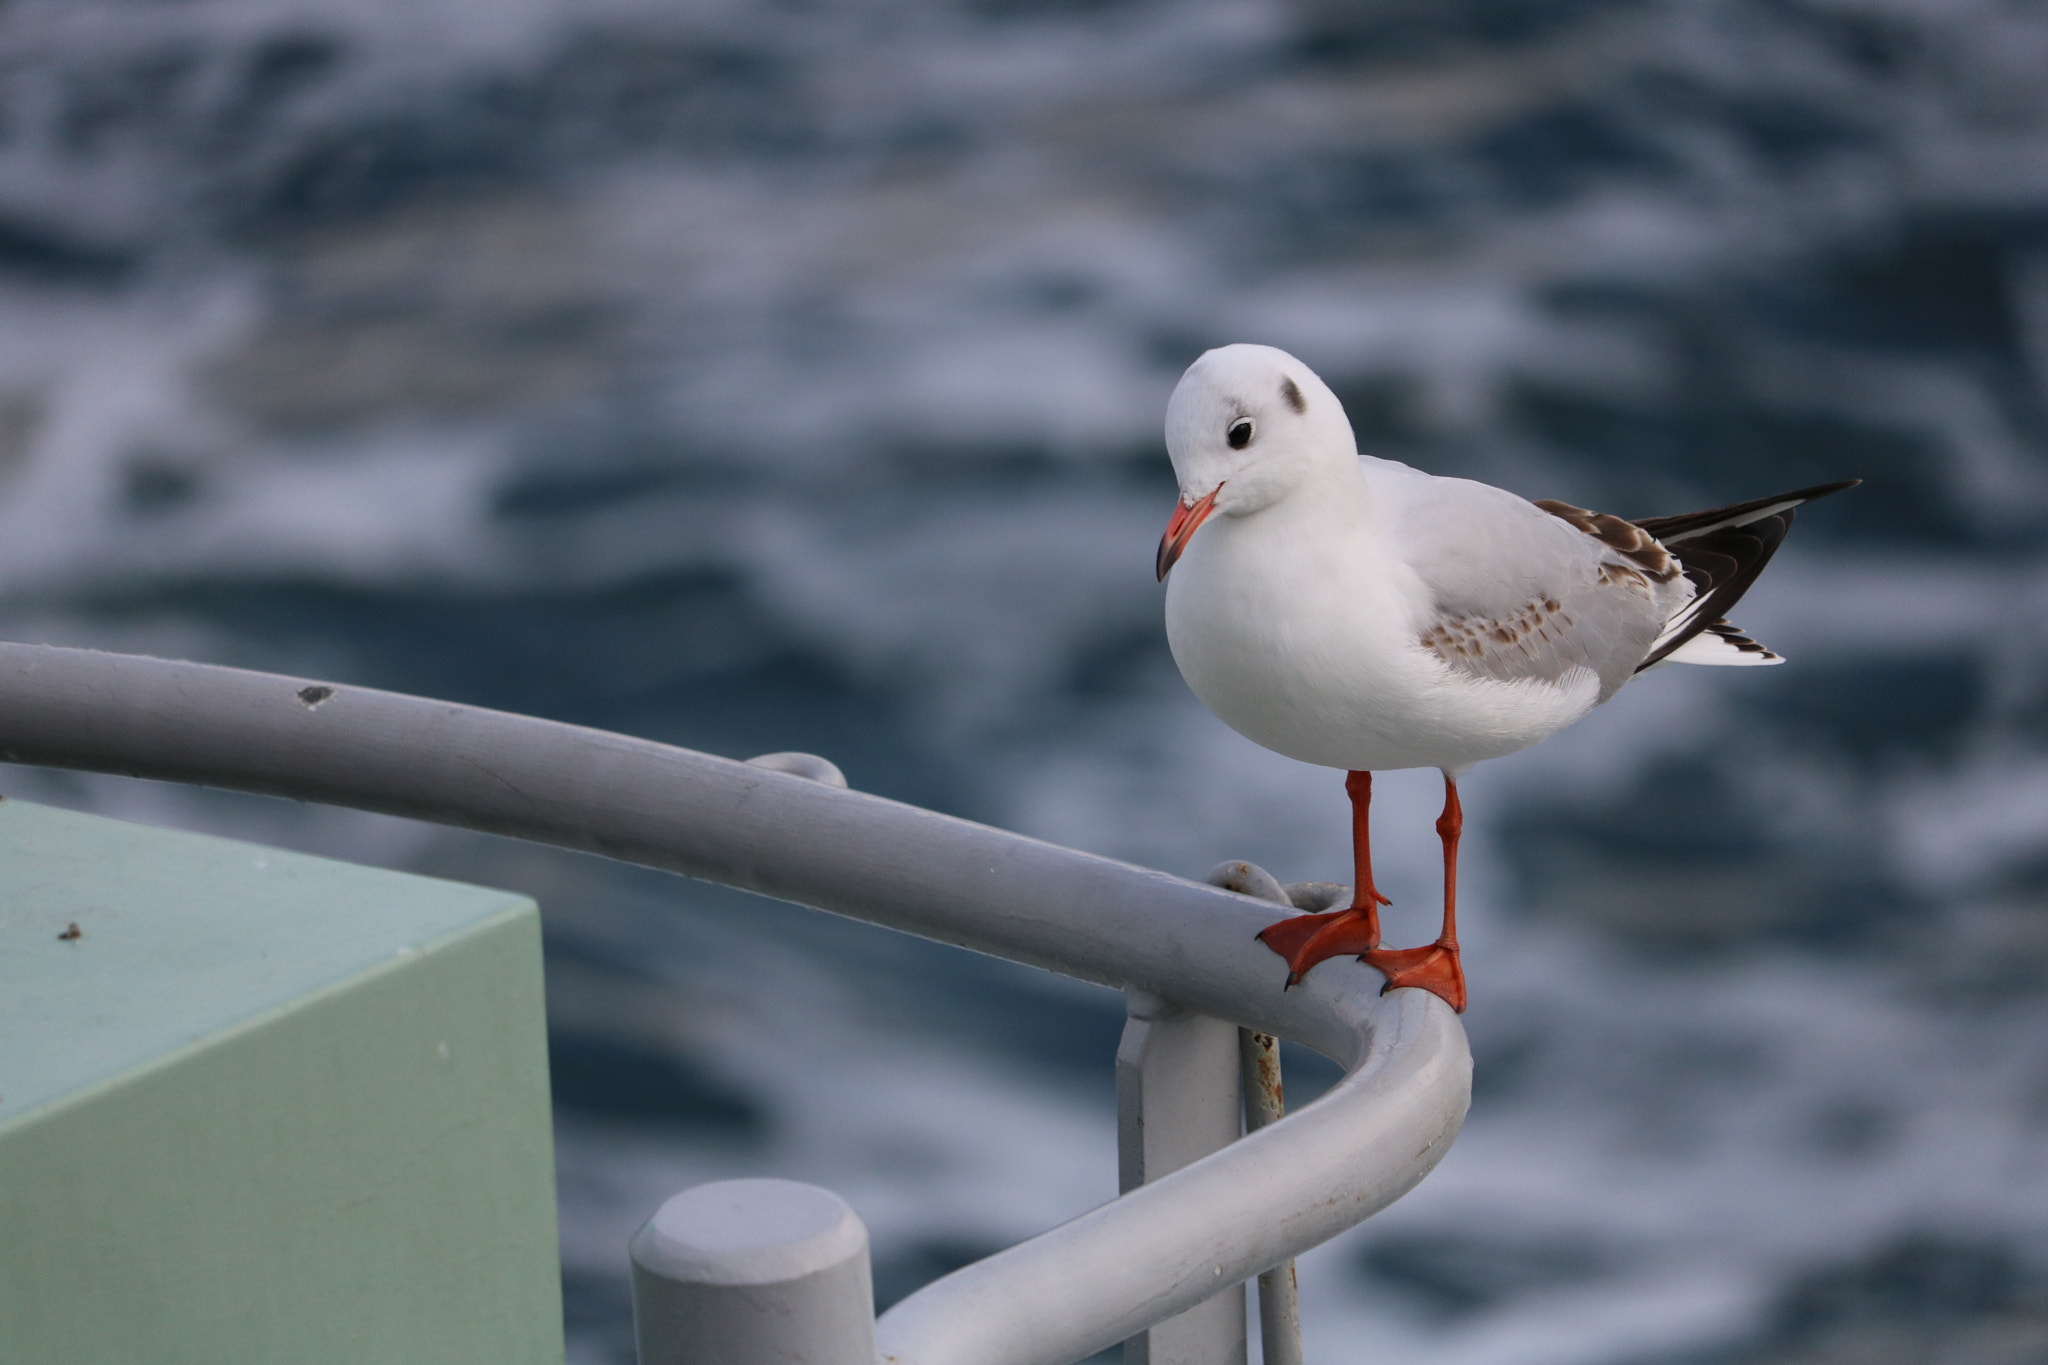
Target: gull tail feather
1722 551
1720 644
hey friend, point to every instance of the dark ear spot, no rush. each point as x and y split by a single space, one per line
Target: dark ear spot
1292 393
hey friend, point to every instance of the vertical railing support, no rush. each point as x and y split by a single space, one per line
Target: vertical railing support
1259 1061
754 1272
1279 1293
1177 1101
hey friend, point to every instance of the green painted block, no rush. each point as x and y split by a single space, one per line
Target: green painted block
266 1108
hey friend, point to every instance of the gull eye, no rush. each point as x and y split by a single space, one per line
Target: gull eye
1240 433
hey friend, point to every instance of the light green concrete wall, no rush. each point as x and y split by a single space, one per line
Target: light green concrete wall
265 1108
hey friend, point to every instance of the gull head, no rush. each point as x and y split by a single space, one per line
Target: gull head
1246 426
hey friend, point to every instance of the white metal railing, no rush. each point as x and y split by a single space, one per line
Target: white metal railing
1183 953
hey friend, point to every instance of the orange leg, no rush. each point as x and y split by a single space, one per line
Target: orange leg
1433 967
1305 940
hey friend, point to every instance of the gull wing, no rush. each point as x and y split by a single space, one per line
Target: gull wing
1525 590
1517 592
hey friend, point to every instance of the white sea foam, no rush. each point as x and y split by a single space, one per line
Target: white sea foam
882 326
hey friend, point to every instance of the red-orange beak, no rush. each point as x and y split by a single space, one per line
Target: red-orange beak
1181 529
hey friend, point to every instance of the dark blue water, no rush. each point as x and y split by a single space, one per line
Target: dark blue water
761 377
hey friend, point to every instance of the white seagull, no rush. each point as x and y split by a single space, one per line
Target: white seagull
1359 614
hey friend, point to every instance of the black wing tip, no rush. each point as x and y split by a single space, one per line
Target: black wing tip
1732 633
1821 490
1685 524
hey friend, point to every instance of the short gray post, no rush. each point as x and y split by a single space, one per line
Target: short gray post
1177 1100
754 1272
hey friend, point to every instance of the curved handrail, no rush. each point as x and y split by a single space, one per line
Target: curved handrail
1105 1275
1167 1245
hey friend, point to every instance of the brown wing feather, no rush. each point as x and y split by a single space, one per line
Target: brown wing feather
1626 539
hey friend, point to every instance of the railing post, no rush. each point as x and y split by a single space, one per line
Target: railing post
1279 1294
1259 1054
1177 1100
753 1272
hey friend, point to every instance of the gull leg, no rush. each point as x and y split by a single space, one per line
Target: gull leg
1433 967
1305 940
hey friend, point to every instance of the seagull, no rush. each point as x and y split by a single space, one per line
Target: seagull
1355 613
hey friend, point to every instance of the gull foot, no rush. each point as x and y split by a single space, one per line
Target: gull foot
1433 967
1305 940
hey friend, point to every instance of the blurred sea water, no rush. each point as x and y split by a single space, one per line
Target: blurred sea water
788 376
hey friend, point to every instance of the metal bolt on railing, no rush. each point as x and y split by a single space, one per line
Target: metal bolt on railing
801 765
